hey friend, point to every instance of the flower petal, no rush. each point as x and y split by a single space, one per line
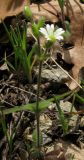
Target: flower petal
43 31
59 31
59 37
52 26
48 28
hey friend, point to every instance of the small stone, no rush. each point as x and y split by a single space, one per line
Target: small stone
53 75
46 139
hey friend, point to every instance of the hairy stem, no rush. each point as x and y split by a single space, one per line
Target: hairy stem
37 101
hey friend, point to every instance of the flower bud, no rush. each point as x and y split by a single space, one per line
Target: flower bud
28 12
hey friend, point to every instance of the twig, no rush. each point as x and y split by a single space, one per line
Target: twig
79 6
21 89
7 57
3 101
71 8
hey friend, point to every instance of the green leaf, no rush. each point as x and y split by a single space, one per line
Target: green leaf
41 22
36 27
82 83
44 104
37 154
62 118
33 51
4 127
80 99
14 36
61 3
24 38
32 106
9 64
67 26
35 30
66 35
8 33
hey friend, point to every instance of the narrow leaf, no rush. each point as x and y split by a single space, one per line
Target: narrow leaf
32 106
62 118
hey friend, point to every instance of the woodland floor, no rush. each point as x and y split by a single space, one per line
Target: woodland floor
17 92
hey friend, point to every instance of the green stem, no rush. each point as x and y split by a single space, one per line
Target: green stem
29 76
37 101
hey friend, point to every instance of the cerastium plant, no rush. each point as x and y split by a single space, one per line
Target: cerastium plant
51 35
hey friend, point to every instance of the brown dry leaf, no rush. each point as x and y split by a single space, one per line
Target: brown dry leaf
77 53
48 9
11 7
63 150
14 7
4 67
77 58
55 153
71 150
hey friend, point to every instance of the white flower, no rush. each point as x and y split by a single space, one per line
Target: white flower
52 34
